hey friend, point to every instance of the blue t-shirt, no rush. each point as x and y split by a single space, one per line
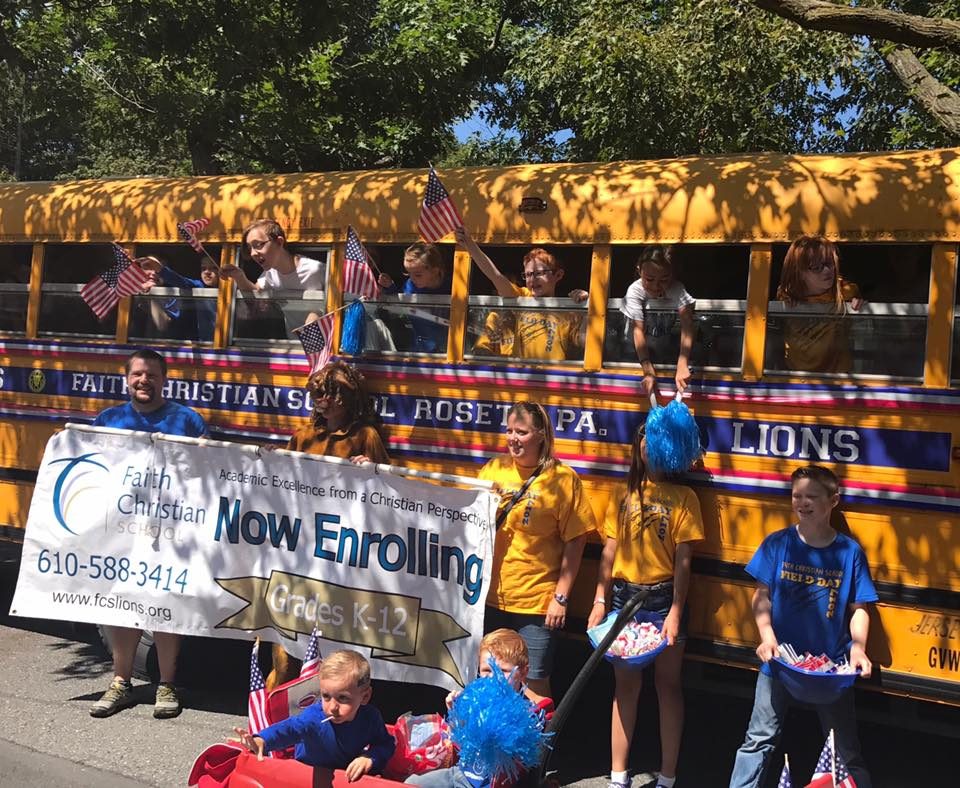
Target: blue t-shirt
429 333
320 743
811 589
198 319
171 418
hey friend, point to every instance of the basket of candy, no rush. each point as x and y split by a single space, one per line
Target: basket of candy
638 644
812 679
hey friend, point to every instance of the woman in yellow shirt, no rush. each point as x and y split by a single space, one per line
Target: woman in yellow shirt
649 528
542 525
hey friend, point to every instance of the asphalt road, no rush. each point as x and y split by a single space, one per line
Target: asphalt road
53 671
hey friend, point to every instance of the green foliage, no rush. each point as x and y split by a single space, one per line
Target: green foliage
171 87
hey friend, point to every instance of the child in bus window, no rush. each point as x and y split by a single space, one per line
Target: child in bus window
652 332
265 242
811 275
650 527
194 321
542 335
427 274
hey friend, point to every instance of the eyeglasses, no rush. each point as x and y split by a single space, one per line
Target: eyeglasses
256 246
540 273
816 268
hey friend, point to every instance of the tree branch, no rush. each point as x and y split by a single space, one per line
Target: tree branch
906 29
941 102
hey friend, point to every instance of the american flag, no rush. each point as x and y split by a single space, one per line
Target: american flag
785 781
123 278
358 276
188 231
831 772
438 214
315 337
258 718
312 659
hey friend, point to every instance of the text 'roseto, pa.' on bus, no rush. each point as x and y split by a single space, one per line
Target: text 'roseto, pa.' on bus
205 538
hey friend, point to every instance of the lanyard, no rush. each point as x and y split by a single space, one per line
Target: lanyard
502 515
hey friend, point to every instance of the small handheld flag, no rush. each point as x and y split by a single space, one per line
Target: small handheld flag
831 770
312 659
257 702
438 214
188 231
123 278
785 781
315 337
358 275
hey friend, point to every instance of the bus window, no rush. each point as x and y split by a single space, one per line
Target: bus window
714 276
413 314
183 304
14 287
880 329
66 268
551 328
532 329
259 318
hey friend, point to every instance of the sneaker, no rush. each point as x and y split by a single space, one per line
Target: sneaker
613 784
168 702
119 696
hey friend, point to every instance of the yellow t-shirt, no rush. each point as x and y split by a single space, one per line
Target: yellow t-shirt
648 535
820 343
543 335
529 545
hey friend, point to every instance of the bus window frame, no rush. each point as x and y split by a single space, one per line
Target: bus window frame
527 303
17 287
192 293
413 299
320 296
702 306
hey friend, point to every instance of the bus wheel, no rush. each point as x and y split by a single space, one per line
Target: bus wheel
145 665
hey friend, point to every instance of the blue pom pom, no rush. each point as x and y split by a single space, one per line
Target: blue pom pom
496 728
673 440
354 332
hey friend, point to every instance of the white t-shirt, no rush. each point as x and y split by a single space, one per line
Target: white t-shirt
635 307
309 275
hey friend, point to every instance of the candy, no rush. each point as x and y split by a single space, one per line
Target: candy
636 639
818 664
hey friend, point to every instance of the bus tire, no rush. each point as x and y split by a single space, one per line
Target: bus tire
145 665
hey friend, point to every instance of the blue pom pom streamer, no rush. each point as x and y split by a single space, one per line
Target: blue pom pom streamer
354 333
496 728
673 440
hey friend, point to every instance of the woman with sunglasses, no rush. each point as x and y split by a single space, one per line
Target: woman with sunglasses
811 275
649 529
542 525
343 425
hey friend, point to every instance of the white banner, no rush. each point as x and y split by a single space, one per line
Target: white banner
217 539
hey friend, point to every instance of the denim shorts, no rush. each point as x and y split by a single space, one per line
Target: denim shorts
659 600
541 641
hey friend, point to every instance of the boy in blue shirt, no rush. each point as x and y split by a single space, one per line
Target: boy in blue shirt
813 586
341 732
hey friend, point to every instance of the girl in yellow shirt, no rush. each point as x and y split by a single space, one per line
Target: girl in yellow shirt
649 528
542 526
811 275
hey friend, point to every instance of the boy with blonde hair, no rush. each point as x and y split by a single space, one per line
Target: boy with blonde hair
341 732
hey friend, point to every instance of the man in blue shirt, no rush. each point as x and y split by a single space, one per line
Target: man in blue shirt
147 411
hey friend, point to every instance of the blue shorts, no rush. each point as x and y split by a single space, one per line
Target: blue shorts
541 642
659 600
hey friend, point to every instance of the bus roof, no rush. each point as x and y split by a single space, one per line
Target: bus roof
906 196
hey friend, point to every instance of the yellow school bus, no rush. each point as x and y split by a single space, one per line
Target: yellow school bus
888 426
